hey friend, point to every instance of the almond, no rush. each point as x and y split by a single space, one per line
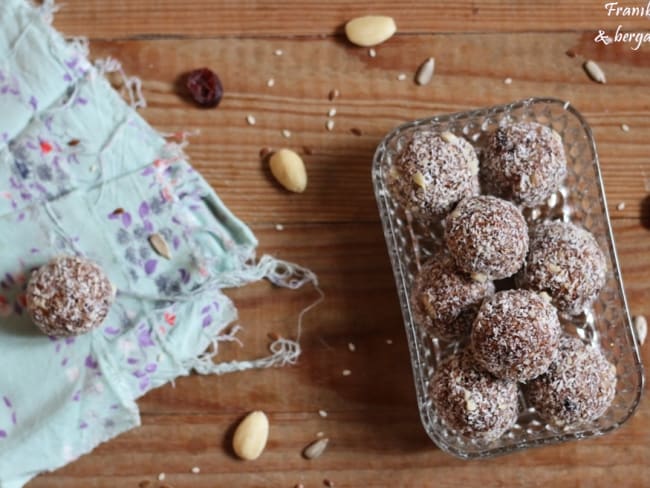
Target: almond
370 30
251 435
289 169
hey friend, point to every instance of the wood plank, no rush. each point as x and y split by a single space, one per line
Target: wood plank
373 100
207 18
372 416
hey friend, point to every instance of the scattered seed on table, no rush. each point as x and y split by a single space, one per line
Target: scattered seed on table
331 112
508 81
250 119
196 470
286 133
315 449
270 83
401 77
328 483
641 326
372 53
333 94
625 128
594 71
322 413
424 74
329 125
389 341
352 347
161 477
346 372
278 52
265 152
571 53
356 131
620 206
279 227
320 434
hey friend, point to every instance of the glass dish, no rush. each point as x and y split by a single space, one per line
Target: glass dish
580 200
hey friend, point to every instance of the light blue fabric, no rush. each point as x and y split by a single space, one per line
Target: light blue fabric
82 173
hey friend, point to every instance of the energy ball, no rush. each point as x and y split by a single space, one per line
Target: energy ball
515 335
69 296
433 172
524 162
445 300
578 387
472 401
565 262
487 237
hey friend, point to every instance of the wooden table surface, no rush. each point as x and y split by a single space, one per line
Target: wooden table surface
333 228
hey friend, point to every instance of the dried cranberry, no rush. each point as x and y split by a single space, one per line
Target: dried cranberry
205 87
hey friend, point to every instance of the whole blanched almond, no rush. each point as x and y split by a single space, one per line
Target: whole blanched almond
370 30
251 436
289 169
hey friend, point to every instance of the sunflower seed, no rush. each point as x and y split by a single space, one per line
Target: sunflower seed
425 72
316 448
371 52
159 245
250 119
594 71
641 326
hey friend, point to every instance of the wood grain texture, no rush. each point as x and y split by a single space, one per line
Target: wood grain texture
283 18
333 228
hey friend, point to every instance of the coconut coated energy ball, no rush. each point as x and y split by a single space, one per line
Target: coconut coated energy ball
578 387
487 237
472 401
566 262
445 300
524 162
69 296
433 172
515 335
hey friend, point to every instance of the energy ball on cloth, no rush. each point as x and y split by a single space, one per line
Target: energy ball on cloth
472 401
523 162
515 335
578 387
487 237
433 172
69 296
565 262
445 300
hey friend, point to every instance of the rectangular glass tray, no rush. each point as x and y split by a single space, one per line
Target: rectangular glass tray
581 200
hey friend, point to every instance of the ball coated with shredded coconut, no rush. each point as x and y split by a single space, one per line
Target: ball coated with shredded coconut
432 172
487 237
566 262
471 401
524 162
578 387
69 296
515 335
445 300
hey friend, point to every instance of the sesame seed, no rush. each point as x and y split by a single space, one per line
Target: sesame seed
322 413
625 128
279 227
161 477
620 206
286 133
372 53
270 83
331 112
320 434
250 119
196 470
508 81
329 125
352 347
346 372
401 77
389 341
278 52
